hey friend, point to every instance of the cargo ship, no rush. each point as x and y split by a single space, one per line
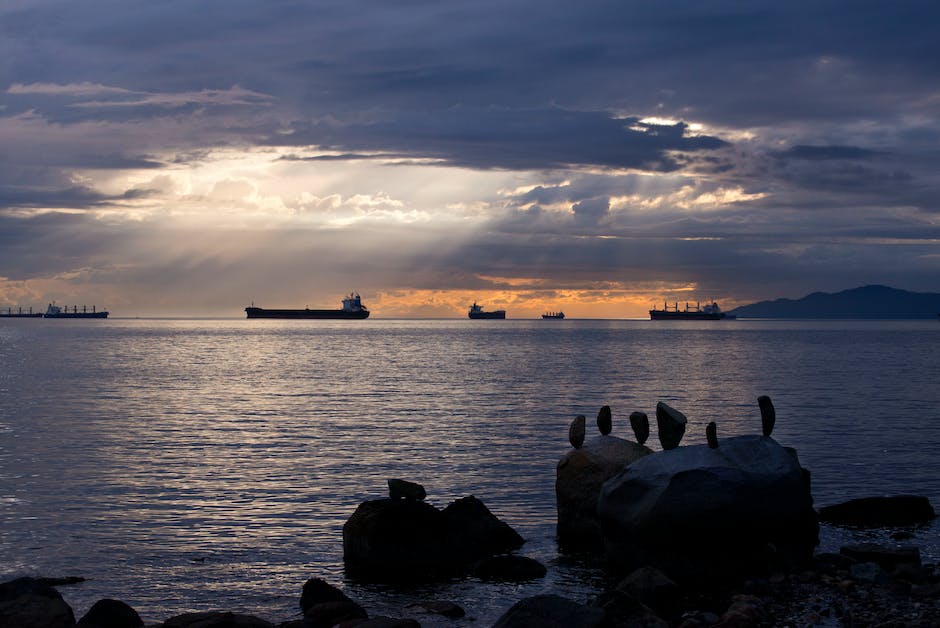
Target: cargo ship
553 315
18 312
711 312
476 311
55 311
352 309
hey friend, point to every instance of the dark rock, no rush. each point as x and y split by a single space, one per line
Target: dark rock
605 422
390 540
578 480
576 431
447 609
108 613
886 557
509 568
327 614
641 426
61 582
402 489
550 611
768 416
702 513
379 622
745 611
711 435
319 591
829 561
30 603
897 510
654 589
216 619
622 610
925 591
671 425
867 572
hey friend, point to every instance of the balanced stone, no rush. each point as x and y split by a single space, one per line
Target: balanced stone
711 435
402 489
604 420
768 416
576 431
671 425
641 426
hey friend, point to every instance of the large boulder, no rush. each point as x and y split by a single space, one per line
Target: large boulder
108 613
550 611
578 479
31 603
865 512
392 540
698 512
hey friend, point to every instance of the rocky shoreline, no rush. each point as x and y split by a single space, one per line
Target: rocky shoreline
718 535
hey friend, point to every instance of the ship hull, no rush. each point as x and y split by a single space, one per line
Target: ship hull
77 315
23 315
500 314
659 315
257 312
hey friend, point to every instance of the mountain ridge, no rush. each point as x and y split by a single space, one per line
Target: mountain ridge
873 301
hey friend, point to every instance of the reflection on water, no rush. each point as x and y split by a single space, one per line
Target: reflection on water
193 465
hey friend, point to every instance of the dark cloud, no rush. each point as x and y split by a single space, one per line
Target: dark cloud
819 153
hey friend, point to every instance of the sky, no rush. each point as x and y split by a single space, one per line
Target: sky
188 158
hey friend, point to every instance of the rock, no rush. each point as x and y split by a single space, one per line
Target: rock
325 605
379 622
897 510
578 480
509 568
671 425
447 609
701 513
550 611
711 435
886 557
605 422
402 489
867 572
641 426
30 603
653 588
622 610
745 611
391 540
61 582
108 613
216 619
576 431
768 416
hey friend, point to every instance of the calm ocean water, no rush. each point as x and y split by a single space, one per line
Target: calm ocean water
186 465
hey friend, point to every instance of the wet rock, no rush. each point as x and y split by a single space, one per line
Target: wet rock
641 426
745 611
392 540
711 435
576 431
402 489
578 480
897 510
216 619
324 605
509 568
438 607
653 588
380 622
622 610
768 415
867 572
605 422
550 611
703 513
30 603
671 425
107 613
885 556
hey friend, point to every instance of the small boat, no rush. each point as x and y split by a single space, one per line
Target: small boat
711 312
476 311
558 315
55 311
352 309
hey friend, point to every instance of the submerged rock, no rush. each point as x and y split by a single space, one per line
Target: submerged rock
897 510
392 540
578 480
509 568
697 509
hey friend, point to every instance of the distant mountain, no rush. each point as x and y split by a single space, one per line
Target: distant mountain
865 302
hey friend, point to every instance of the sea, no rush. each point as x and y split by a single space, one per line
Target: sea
196 465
